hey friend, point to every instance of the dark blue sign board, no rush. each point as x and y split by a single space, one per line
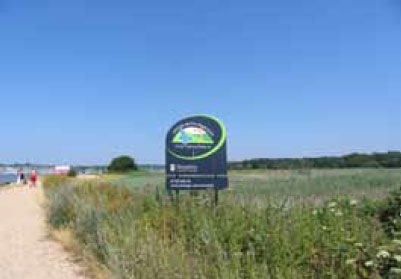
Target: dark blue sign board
196 154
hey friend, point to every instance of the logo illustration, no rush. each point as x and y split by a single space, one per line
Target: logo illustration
196 138
193 134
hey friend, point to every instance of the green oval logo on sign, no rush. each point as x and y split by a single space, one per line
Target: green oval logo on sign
196 138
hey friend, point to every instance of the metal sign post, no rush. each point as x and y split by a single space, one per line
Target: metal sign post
196 155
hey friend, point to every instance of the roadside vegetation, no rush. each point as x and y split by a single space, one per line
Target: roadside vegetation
135 230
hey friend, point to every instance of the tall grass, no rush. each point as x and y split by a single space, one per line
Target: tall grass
138 232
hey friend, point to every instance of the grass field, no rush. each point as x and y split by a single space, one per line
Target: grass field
268 224
299 185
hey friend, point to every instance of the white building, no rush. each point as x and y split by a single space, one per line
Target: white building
62 170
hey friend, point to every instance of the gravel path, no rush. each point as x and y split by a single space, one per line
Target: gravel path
25 249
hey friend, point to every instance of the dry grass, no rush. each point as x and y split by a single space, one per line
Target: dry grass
93 269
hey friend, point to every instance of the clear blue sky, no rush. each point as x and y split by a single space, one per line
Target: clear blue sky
83 81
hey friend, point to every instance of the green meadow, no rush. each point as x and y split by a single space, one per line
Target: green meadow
268 224
300 185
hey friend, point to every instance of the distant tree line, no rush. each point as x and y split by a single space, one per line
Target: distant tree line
355 160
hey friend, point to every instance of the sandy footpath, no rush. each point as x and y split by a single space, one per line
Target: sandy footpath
25 249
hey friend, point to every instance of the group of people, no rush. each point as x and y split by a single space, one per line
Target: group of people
22 180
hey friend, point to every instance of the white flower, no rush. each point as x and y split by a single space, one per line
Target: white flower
369 263
314 212
332 204
353 202
350 262
395 270
397 241
397 258
339 214
358 245
383 254
324 228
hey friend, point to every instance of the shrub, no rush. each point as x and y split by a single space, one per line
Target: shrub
390 214
122 164
61 208
87 229
72 173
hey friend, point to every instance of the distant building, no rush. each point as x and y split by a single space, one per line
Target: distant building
62 170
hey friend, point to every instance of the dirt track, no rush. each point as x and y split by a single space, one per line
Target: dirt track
25 249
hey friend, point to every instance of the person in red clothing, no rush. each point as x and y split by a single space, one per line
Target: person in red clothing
33 178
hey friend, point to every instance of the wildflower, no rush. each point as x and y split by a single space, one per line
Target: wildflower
395 270
358 245
324 228
369 263
332 210
383 254
397 258
332 204
339 214
397 242
350 261
353 202
382 248
314 212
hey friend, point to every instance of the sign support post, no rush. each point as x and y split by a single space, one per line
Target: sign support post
216 196
177 196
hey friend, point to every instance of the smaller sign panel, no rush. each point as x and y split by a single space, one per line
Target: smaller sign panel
196 154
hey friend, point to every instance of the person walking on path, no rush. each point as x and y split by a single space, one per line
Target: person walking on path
21 177
19 181
33 178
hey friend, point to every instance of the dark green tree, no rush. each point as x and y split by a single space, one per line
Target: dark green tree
122 164
72 172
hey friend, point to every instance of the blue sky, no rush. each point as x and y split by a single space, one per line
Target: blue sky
83 81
